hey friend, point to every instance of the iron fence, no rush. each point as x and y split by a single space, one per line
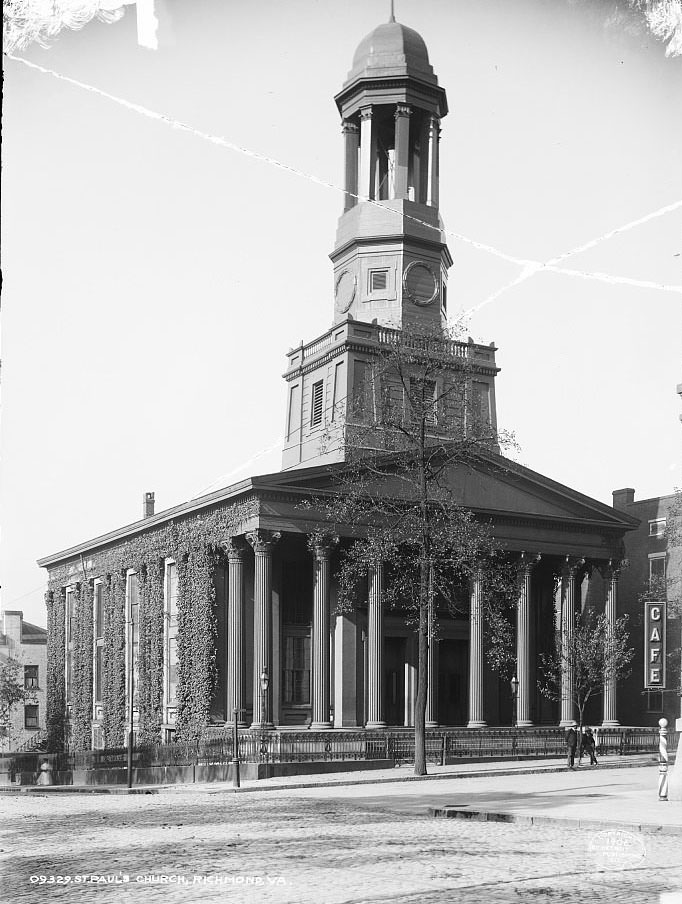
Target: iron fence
395 745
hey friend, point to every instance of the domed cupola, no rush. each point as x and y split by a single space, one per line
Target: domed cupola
392 50
390 256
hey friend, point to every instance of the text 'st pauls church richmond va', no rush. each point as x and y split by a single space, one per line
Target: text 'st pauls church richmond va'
202 600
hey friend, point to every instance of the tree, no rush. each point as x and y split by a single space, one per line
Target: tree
412 435
12 693
591 653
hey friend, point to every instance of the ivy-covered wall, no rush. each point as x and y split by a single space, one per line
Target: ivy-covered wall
56 640
195 545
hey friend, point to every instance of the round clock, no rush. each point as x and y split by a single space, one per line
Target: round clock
344 291
420 283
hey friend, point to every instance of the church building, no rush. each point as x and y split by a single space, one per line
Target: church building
222 605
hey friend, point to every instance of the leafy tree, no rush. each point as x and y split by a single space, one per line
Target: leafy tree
413 436
592 653
12 693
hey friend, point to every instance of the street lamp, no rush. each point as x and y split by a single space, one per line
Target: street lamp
515 698
235 746
264 685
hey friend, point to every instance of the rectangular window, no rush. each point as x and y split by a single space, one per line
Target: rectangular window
31 716
378 280
171 632
99 610
423 400
481 410
31 676
657 569
99 651
294 411
657 527
296 671
132 635
317 403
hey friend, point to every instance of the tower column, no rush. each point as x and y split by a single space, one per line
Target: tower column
476 719
610 719
351 143
320 673
375 647
402 149
263 542
567 623
236 556
523 640
367 154
432 162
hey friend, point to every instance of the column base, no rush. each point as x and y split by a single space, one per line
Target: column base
321 726
372 725
475 724
567 723
524 723
431 724
610 723
262 726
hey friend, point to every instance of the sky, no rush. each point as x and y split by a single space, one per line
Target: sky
154 280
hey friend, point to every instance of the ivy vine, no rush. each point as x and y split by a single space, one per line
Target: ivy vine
194 543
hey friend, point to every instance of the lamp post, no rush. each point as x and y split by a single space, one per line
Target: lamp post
515 699
264 685
235 746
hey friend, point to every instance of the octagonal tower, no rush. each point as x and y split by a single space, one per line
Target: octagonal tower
390 256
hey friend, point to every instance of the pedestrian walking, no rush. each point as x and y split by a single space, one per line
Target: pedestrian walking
571 744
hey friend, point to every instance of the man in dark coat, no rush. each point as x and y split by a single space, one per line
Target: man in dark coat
571 744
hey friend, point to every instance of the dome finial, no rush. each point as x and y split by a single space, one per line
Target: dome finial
392 16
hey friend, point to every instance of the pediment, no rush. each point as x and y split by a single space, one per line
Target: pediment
495 484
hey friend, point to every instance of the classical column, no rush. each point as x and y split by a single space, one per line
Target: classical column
568 574
236 555
523 640
402 149
367 154
375 648
432 664
432 162
263 542
320 670
476 719
611 575
350 146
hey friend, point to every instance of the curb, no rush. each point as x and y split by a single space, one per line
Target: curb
218 787
563 821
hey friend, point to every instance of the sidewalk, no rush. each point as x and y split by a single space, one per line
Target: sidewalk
403 773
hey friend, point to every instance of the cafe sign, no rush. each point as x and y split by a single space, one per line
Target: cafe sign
654 646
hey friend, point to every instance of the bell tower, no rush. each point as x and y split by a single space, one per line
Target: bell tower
390 257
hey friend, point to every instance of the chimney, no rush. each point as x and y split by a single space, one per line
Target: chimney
623 498
148 505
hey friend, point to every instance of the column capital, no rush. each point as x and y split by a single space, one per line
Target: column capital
323 547
570 566
347 125
263 541
434 124
365 113
402 110
611 569
527 561
234 548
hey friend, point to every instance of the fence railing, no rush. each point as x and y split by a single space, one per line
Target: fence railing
396 745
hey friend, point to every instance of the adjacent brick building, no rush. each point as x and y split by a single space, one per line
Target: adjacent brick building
27 644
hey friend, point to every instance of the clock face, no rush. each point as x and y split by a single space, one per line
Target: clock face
420 283
346 285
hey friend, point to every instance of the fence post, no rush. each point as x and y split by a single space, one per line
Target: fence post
663 759
442 750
